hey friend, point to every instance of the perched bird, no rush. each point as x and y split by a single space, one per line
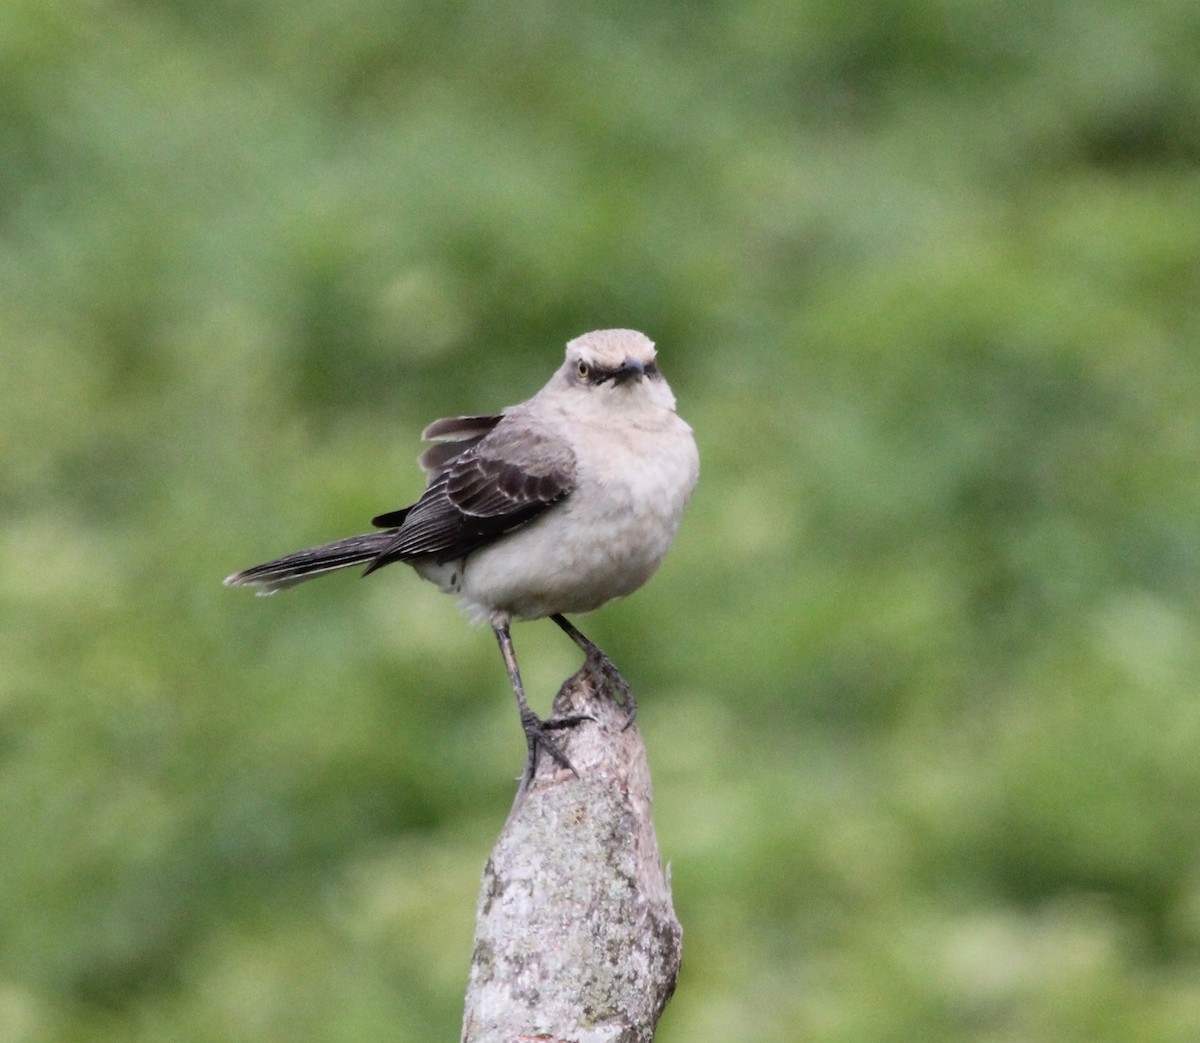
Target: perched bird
554 506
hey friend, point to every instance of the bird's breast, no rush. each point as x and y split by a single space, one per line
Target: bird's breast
604 540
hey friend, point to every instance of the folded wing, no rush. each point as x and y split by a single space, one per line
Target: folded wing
488 475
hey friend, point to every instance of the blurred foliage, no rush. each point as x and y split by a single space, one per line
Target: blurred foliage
919 681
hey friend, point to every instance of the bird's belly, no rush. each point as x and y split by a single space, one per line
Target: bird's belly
546 568
600 544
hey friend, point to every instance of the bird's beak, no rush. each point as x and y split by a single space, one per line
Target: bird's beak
630 369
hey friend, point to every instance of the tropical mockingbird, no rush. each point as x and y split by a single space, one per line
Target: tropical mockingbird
556 505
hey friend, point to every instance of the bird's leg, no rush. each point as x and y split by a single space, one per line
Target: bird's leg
597 657
536 730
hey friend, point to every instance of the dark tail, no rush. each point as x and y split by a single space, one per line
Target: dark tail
315 561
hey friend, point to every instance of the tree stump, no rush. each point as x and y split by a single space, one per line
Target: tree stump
576 940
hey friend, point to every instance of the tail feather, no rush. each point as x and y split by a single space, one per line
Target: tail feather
307 564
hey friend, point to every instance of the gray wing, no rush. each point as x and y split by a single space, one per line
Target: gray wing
502 479
454 435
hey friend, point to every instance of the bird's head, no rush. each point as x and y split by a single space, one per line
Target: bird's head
617 365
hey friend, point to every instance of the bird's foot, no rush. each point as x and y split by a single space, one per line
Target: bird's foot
600 664
537 737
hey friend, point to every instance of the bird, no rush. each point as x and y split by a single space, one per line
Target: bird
557 505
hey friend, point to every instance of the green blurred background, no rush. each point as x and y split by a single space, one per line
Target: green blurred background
921 679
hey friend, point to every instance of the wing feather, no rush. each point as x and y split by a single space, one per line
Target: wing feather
453 436
499 481
457 428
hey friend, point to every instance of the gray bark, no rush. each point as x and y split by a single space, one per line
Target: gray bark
576 940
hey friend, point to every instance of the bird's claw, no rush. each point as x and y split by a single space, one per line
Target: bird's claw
602 665
537 738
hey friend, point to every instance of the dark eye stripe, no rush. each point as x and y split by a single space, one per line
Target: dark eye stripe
599 374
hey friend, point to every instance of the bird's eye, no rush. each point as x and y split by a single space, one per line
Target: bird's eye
584 370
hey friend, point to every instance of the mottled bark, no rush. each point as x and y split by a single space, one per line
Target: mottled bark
575 938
